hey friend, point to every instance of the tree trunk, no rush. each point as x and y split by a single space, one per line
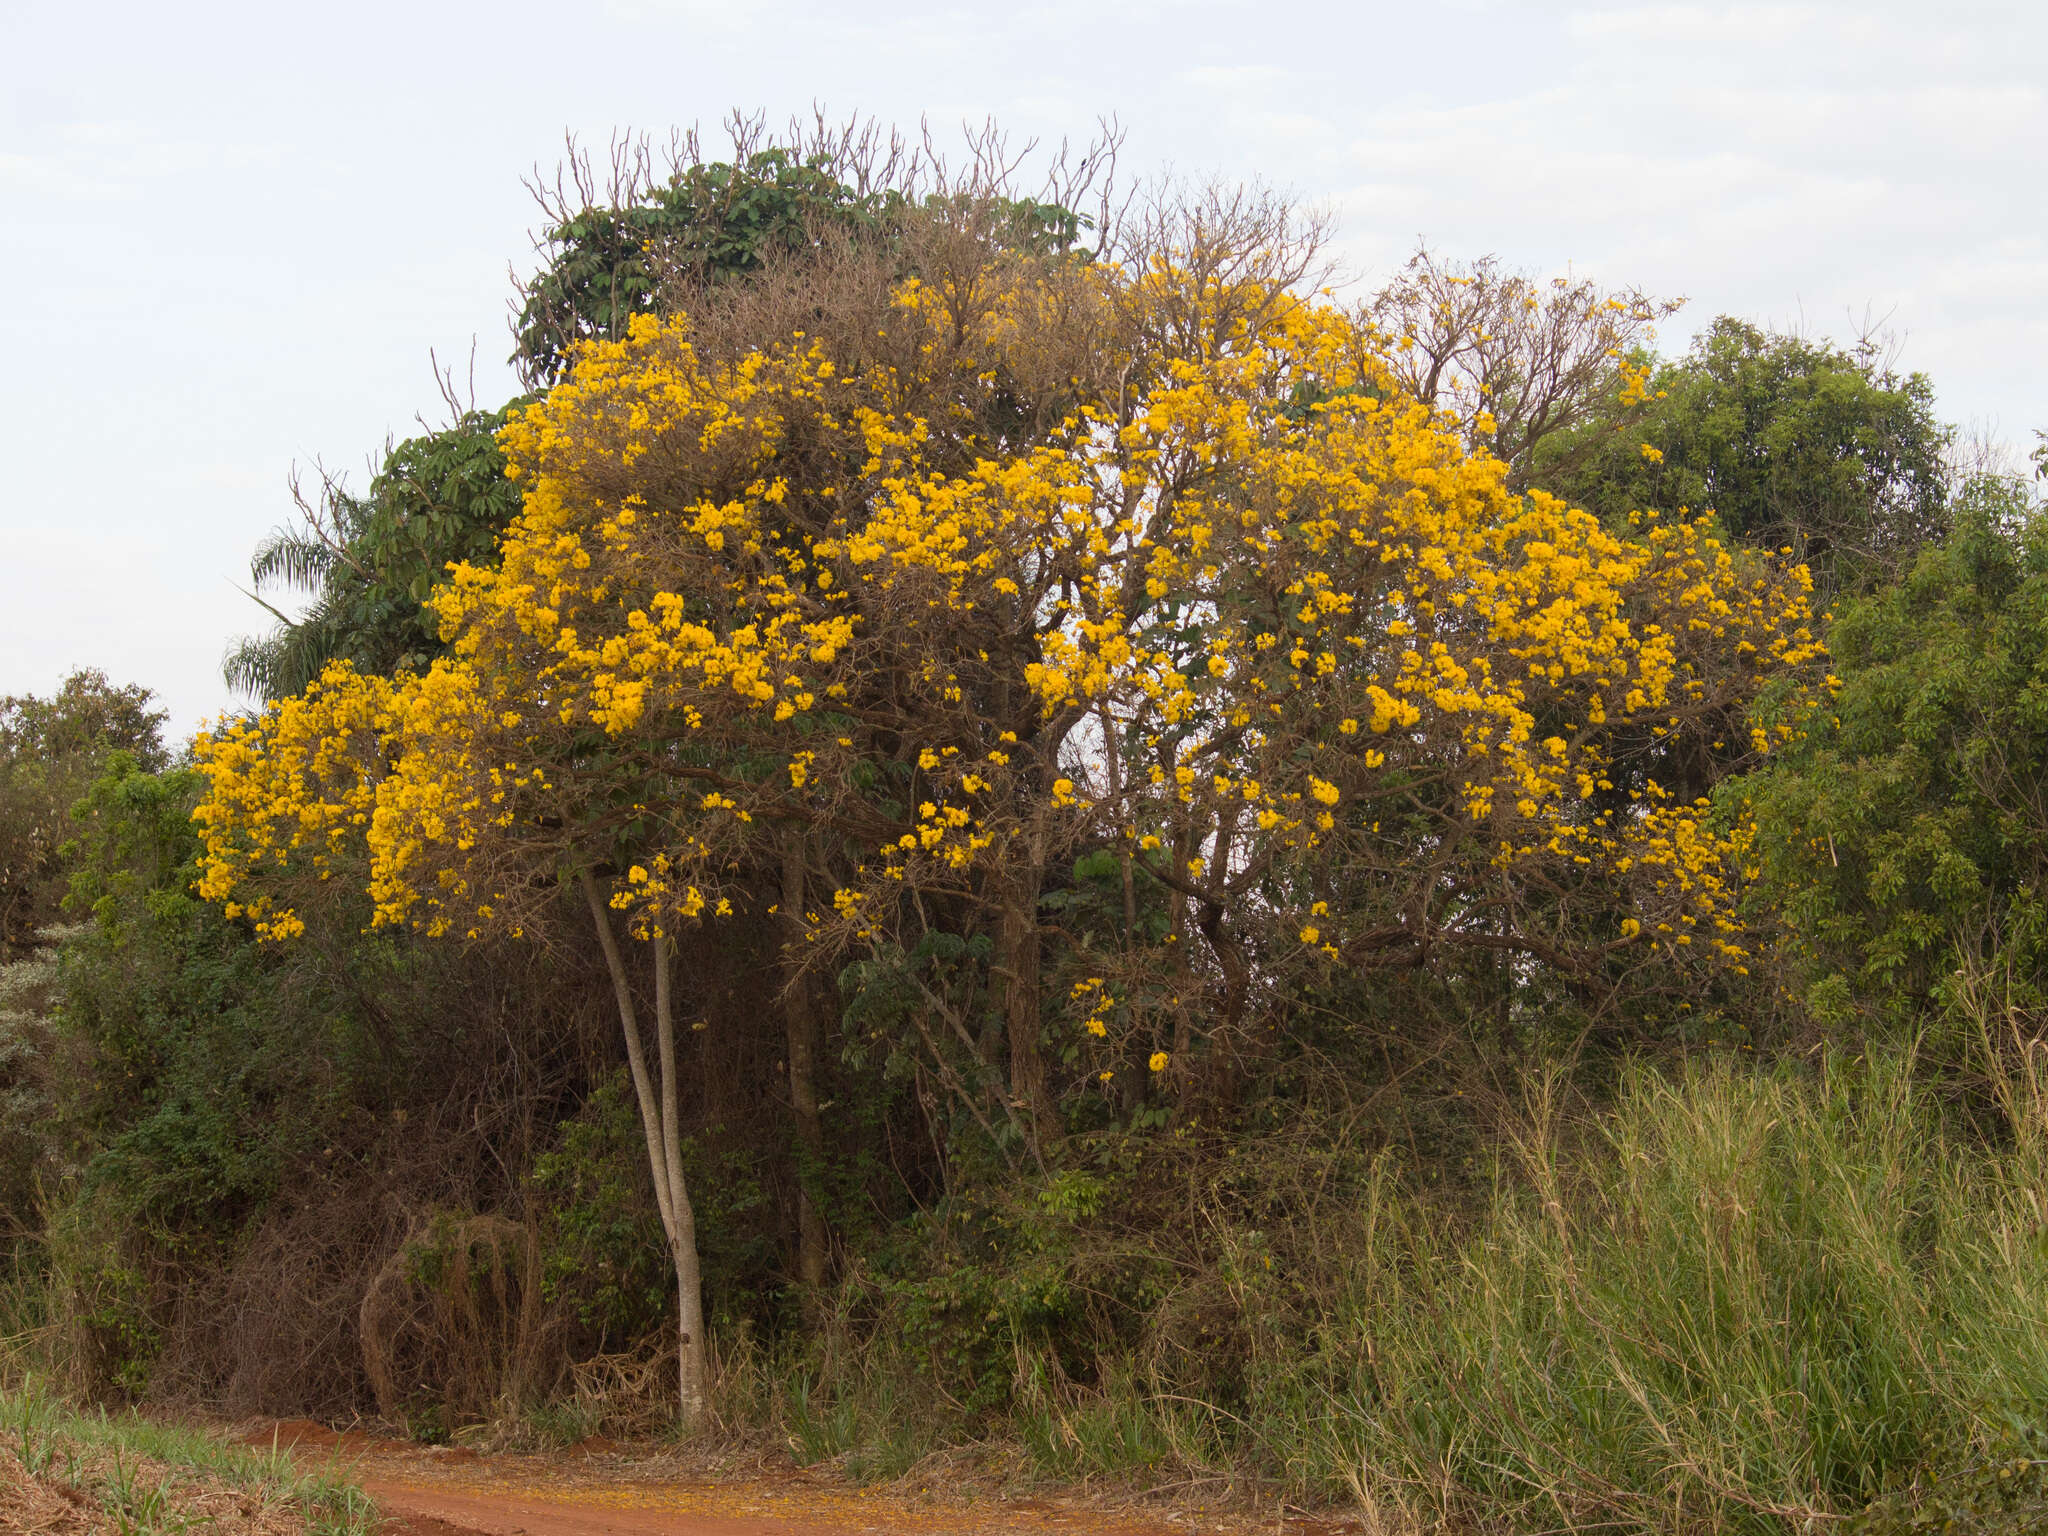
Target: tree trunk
660 1122
801 1026
1017 963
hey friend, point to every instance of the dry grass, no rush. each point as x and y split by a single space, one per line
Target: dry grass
32 1504
64 1471
103 1491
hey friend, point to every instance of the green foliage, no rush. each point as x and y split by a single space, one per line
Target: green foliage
134 840
1794 443
1906 840
2000 1491
87 717
111 1339
974 1301
190 1072
208 1071
50 749
711 221
369 562
604 1254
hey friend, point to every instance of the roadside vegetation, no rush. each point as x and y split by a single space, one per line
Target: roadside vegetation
64 1470
988 825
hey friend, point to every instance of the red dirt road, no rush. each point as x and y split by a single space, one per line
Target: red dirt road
640 1509
453 1492
418 1511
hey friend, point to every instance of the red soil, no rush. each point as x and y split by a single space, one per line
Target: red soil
592 1491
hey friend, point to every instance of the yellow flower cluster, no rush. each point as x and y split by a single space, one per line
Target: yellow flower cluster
295 790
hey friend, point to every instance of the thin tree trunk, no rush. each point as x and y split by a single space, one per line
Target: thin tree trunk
660 1121
682 1238
1183 986
801 1026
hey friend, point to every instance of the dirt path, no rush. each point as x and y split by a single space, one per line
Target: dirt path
452 1492
633 1506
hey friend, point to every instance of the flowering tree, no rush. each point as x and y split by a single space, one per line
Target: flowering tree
1001 562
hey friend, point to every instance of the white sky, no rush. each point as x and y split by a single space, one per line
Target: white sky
232 233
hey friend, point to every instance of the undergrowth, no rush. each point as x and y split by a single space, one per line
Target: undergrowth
1741 1300
1734 1302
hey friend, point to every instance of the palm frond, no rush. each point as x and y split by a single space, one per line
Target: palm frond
292 559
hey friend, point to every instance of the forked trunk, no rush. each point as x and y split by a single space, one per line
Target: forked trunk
660 1122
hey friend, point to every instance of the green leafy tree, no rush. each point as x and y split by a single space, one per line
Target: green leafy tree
188 1077
1793 443
710 221
50 750
190 1096
635 249
1907 841
87 715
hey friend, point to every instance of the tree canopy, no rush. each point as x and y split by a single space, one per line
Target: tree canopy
707 222
51 749
1907 839
1792 443
653 243
779 561
369 563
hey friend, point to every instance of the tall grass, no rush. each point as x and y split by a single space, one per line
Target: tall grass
1739 1301
1752 1303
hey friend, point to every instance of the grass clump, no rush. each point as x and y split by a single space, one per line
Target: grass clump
139 1477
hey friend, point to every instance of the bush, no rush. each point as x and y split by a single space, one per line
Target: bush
2002 1491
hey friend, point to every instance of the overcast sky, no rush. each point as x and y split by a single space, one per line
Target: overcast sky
232 234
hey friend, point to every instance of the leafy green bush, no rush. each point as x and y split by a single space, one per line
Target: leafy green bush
1903 842
2002 1491
602 1254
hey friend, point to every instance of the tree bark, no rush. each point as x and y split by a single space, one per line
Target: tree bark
660 1121
802 1030
1017 962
